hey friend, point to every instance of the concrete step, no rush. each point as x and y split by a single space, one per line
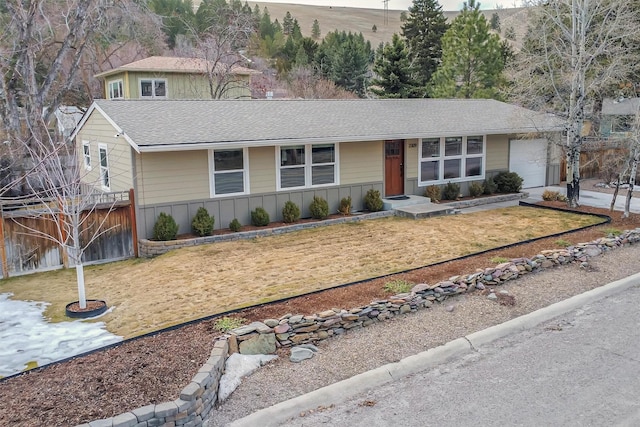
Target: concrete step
401 201
425 210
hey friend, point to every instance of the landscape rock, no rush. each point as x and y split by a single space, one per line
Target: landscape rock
298 354
262 344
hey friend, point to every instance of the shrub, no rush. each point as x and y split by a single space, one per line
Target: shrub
549 195
451 191
612 232
508 182
345 206
476 189
373 201
226 324
235 225
259 217
202 223
319 208
563 243
499 259
489 186
398 286
434 193
165 227
290 212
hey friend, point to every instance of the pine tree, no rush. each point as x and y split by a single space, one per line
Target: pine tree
287 24
296 32
423 30
394 71
472 59
315 30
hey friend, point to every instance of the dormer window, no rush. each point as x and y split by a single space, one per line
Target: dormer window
115 89
153 88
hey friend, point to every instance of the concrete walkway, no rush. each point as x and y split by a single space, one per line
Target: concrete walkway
573 363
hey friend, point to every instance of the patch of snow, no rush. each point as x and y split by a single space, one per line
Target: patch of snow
26 336
237 367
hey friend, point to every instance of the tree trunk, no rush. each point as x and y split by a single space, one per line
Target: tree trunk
80 278
632 181
573 175
615 194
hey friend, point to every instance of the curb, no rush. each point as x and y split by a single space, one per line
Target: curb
345 389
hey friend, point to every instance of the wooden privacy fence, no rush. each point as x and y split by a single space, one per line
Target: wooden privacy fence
595 159
23 252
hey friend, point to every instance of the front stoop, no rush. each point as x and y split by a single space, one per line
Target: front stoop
425 210
391 203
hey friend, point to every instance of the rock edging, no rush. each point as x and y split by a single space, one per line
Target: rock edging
190 409
291 330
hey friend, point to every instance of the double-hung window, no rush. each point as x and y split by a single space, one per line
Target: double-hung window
451 159
229 172
153 88
304 166
86 155
105 179
115 90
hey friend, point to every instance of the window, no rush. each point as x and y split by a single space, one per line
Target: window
451 159
229 172
105 180
86 153
153 88
622 124
115 90
302 166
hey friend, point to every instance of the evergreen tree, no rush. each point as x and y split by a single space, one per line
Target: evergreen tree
423 29
287 24
301 58
296 32
266 27
374 28
350 64
177 16
315 30
495 22
393 68
472 58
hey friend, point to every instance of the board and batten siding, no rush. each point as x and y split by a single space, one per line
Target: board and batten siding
186 86
172 176
262 170
361 162
497 152
97 130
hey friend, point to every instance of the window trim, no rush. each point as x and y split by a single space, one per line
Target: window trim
86 155
443 157
109 93
153 88
245 172
308 166
104 168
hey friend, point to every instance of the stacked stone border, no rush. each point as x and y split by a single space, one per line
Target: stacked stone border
152 248
189 410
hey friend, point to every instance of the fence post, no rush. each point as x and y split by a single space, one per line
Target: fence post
3 249
132 215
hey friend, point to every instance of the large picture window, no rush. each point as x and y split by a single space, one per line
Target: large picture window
229 172
302 166
105 178
153 88
451 159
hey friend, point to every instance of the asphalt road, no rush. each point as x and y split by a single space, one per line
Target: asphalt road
579 369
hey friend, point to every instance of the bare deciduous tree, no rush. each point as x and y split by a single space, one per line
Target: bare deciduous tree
574 50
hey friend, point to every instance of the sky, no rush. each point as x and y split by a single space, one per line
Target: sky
447 5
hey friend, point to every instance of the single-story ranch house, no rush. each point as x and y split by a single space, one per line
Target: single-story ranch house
232 156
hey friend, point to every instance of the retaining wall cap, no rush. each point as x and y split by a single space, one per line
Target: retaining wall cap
125 420
166 409
107 422
145 413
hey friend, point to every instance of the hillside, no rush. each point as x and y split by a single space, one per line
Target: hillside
361 20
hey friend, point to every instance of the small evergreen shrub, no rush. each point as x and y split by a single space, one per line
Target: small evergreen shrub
345 206
434 193
202 223
476 189
290 212
235 225
451 191
259 217
165 227
319 208
508 182
489 186
373 201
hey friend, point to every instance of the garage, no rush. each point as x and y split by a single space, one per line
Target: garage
528 158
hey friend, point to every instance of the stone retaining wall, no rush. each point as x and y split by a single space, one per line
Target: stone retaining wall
151 248
486 200
290 330
189 410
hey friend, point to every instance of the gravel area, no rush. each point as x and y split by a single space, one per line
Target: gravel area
358 351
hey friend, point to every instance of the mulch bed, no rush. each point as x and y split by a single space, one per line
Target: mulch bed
155 368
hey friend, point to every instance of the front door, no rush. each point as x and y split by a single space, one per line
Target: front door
393 167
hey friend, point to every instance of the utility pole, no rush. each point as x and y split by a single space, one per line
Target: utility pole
386 11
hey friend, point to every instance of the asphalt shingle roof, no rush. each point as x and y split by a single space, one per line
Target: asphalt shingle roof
172 64
154 124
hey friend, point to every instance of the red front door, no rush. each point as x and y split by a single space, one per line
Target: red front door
393 167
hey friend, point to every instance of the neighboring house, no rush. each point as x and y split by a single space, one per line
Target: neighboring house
233 156
618 116
162 77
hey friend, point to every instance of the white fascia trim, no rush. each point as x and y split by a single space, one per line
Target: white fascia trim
117 128
322 140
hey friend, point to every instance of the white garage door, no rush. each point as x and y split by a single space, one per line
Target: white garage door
528 158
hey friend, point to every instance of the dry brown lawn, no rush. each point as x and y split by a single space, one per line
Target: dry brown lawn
195 282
